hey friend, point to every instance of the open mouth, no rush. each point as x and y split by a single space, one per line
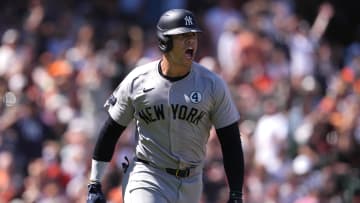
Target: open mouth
189 53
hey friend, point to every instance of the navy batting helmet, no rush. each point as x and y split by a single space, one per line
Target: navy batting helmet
174 22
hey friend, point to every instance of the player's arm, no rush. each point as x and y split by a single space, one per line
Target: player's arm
103 152
233 158
104 148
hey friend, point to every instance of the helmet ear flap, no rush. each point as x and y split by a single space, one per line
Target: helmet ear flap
165 42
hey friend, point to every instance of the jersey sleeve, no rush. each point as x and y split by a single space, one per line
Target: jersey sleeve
119 103
225 111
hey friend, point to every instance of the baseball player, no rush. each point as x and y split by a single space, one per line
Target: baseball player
174 102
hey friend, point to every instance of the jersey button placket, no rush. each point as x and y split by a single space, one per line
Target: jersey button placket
173 135
170 97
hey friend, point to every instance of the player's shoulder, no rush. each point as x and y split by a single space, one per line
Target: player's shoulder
205 73
141 71
210 78
144 68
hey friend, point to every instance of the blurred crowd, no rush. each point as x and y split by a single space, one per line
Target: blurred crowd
297 91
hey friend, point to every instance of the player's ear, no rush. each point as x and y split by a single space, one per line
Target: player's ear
165 42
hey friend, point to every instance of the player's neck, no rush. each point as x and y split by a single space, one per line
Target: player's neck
172 69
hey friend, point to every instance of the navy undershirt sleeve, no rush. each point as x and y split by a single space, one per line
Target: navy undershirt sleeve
233 156
106 142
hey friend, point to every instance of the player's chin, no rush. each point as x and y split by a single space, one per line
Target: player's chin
188 61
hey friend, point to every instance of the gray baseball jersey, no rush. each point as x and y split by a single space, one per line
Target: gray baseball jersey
173 119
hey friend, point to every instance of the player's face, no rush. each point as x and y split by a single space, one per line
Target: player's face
184 48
